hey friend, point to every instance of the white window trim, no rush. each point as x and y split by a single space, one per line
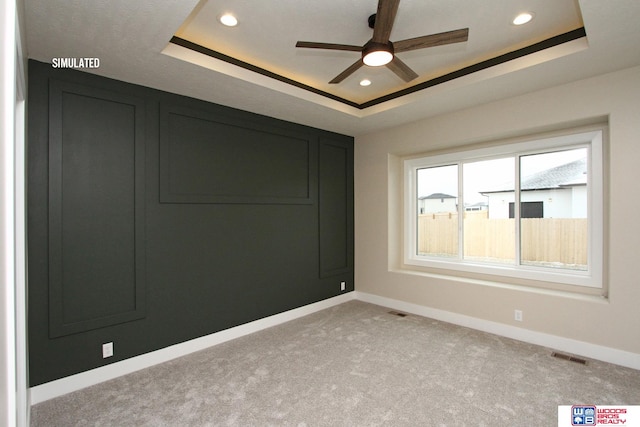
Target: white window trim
591 138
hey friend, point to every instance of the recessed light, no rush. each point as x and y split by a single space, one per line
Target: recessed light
522 18
365 82
229 20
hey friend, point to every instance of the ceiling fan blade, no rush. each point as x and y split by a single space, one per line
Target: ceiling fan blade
330 46
401 69
455 36
385 16
346 73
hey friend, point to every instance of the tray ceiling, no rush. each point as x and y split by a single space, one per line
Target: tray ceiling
132 39
264 40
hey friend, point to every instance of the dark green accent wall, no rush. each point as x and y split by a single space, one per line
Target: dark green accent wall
155 218
96 208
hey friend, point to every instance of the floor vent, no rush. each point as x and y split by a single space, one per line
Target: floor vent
397 313
569 358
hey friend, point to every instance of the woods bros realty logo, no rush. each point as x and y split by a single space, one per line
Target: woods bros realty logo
592 415
75 62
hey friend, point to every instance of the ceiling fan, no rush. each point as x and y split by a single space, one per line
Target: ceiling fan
380 51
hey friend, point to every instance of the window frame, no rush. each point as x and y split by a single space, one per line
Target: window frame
592 138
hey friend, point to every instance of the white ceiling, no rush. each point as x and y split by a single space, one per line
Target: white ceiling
131 38
266 36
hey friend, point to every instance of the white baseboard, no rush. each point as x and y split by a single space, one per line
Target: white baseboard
581 348
79 381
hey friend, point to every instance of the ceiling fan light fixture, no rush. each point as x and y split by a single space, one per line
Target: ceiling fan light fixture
380 50
377 54
377 58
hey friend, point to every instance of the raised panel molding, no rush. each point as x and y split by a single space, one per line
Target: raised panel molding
207 157
96 208
335 207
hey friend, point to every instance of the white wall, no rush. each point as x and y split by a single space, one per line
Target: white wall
612 322
13 391
7 308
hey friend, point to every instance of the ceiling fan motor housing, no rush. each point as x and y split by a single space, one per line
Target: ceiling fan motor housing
372 21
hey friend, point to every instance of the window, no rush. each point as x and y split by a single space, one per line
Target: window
531 210
527 210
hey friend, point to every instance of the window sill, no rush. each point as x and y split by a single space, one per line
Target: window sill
596 295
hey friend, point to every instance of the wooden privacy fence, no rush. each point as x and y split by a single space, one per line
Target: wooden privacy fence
557 241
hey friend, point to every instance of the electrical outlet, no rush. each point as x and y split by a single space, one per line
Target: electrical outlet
107 350
343 286
518 315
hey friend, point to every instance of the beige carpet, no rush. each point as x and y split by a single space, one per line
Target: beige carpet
351 365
